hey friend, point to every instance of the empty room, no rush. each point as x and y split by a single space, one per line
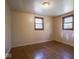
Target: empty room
39 29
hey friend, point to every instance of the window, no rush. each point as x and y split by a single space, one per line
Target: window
68 22
39 23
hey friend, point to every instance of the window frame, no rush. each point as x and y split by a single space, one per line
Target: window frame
42 23
63 18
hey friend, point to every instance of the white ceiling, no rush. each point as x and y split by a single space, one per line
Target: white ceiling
56 7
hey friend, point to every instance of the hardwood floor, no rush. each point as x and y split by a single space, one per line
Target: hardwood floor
47 50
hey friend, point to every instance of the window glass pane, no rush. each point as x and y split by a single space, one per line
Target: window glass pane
39 26
38 20
67 25
68 19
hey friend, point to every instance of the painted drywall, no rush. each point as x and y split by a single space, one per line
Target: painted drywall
7 29
23 32
64 36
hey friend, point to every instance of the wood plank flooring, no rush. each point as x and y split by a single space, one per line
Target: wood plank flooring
47 50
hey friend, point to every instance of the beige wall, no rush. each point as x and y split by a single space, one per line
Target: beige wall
7 29
23 32
64 36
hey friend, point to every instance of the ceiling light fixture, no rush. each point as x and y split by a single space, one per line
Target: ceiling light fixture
45 4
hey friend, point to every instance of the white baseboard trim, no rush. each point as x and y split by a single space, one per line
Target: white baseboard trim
7 54
65 43
30 43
